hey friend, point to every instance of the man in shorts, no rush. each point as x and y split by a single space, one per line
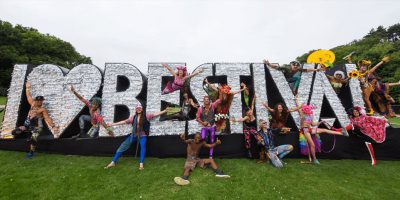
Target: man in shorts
193 160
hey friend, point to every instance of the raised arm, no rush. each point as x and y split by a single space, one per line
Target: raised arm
383 61
275 66
193 103
267 107
183 137
77 94
211 85
296 99
246 91
298 108
194 73
253 102
28 93
218 142
169 69
239 91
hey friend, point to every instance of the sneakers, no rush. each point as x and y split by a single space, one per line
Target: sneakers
316 162
222 175
112 164
181 181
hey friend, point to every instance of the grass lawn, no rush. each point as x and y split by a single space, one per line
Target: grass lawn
50 176
395 122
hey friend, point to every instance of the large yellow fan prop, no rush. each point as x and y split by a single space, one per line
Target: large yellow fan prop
323 57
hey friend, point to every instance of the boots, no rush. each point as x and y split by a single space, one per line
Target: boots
371 153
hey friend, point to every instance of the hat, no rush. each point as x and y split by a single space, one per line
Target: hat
138 106
339 73
97 100
364 62
39 98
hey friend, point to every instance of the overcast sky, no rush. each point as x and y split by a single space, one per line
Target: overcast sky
196 32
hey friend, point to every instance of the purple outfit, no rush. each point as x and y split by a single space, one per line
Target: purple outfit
208 117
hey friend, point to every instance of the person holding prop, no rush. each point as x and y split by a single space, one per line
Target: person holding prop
296 71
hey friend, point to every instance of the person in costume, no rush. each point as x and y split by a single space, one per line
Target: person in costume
183 112
193 160
33 124
140 130
279 115
249 126
95 118
371 85
369 128
179 78
309 139
187 105
266 140
206 117
338 80
296 71
224 93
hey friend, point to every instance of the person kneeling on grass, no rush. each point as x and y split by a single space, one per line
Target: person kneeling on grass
266 139
193 160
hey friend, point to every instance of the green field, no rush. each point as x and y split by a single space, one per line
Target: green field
395 122
50 176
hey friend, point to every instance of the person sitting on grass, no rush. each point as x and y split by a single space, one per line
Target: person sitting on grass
193 160
266 139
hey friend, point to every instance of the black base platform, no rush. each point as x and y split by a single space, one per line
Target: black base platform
232 146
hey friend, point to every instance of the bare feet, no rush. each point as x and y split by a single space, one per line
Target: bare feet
112 164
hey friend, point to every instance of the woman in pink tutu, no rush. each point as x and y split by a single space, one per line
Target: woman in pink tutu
372 129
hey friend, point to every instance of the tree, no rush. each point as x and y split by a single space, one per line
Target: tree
20 44
376 44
